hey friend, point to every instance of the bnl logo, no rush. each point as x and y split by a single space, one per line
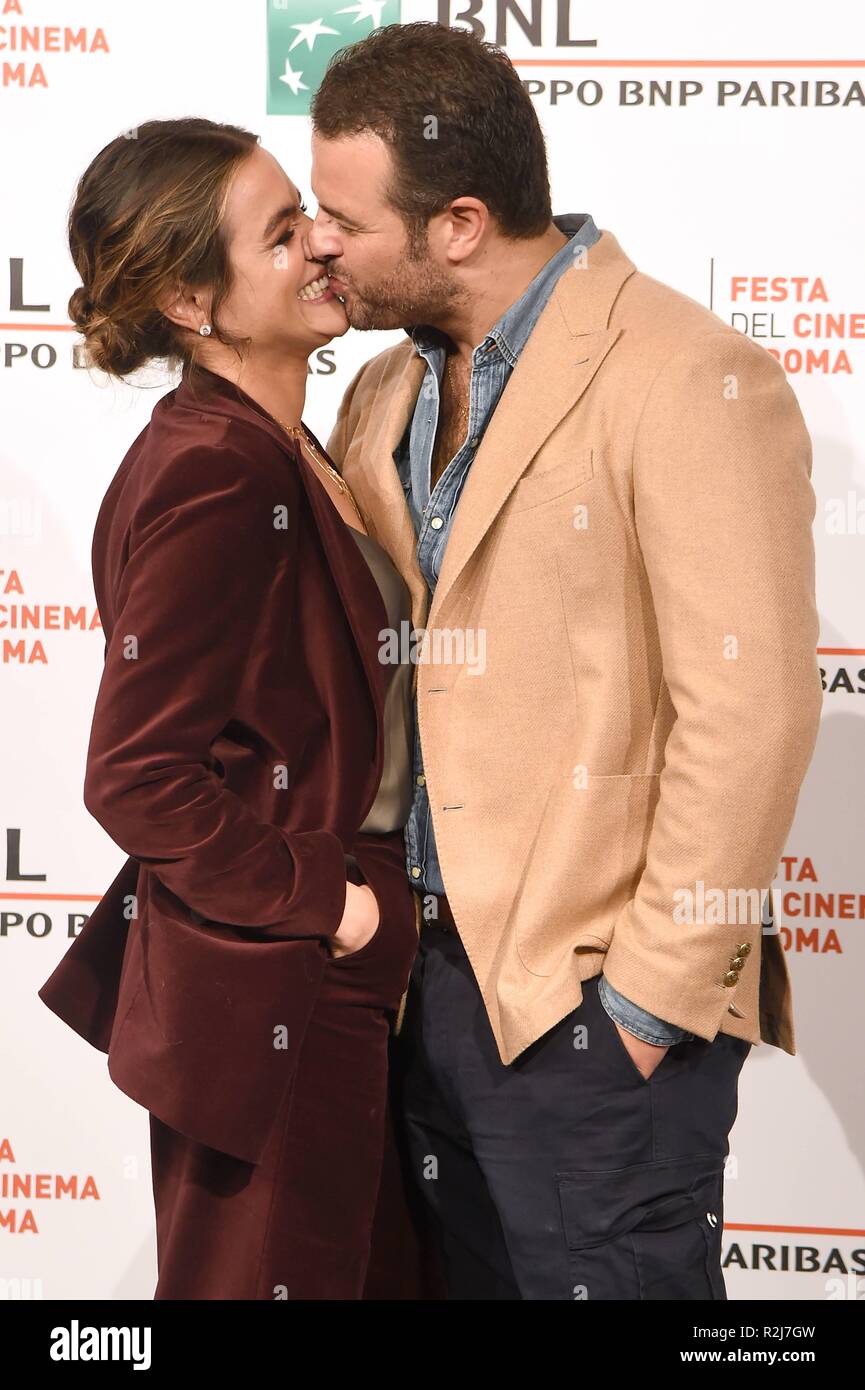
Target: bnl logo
303 37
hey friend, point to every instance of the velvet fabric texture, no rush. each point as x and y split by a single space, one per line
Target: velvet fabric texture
235 750
298 1224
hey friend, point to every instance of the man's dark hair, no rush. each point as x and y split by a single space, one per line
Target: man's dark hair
456 117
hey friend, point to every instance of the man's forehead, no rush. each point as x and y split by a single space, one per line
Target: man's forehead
354 158
349 175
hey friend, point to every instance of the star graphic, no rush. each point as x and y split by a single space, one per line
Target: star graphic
292 79
366 9
310 32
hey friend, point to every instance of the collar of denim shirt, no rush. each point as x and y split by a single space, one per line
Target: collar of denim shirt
510 333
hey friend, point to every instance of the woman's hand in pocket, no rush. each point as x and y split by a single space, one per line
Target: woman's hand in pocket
360 920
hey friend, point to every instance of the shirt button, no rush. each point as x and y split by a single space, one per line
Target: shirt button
421 780
415 871
475 441
437 523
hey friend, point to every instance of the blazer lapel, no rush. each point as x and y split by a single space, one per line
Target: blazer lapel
360 594
562 354
369 469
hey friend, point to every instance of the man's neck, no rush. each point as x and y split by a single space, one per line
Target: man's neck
508 270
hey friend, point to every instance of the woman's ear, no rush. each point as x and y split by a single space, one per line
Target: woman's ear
185 308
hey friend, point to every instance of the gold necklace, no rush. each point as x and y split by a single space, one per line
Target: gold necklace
301 434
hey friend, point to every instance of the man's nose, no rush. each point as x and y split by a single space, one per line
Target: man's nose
321 243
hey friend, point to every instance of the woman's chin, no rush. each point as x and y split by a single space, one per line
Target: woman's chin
344 324
329 318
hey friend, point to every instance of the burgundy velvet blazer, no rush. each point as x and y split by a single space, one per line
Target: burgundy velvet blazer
236 747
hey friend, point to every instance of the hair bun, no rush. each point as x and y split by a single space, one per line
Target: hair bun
116 348
82 310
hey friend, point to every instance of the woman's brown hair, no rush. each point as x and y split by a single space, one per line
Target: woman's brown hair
146 219
456 118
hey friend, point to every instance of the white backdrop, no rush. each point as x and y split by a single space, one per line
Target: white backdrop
719 196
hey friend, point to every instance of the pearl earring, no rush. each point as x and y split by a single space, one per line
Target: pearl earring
204 330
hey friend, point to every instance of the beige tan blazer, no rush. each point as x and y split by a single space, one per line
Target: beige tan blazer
612 785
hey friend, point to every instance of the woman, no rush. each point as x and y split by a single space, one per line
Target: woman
249 751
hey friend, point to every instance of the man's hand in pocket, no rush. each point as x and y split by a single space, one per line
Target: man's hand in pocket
645 1056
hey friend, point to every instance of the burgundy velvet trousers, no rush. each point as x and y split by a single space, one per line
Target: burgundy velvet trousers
326 1206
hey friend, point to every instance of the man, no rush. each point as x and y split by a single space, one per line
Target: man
599 496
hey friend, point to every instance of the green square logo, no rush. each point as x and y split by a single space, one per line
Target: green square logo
302 37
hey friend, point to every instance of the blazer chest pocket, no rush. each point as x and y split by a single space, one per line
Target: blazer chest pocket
545 484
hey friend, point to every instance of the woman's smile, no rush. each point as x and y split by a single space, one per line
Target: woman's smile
317 291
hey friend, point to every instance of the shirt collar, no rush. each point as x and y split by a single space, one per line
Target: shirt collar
512 330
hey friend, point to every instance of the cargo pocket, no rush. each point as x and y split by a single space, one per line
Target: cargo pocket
648 1231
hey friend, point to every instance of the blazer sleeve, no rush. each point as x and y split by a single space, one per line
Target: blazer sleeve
210 541
723 506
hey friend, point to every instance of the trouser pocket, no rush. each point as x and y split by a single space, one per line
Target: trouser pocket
648 1231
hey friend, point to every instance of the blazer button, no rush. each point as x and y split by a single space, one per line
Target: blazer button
737 962
743 949
731 978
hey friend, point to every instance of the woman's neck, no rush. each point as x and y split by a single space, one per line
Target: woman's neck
279 387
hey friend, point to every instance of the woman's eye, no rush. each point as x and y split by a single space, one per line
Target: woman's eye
286 236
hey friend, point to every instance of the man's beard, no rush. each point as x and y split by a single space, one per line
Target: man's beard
417 292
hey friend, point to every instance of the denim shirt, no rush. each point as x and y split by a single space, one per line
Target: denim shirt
492 362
